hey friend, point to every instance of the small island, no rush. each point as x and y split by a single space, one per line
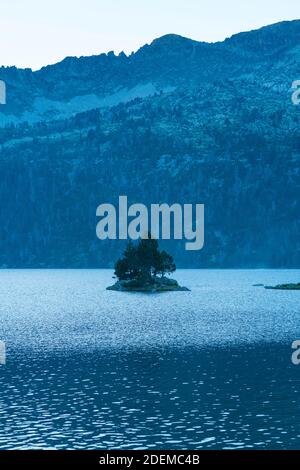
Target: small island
143 268
285 287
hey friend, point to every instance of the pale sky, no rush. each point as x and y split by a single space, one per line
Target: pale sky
40 32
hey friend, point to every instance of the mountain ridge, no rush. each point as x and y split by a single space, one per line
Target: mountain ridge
169 61
164 37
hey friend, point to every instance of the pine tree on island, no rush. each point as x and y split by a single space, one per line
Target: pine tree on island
144 267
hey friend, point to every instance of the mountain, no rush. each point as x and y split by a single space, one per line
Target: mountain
178 121
79 84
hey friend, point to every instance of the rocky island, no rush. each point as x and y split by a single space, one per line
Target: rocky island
285 287
143 268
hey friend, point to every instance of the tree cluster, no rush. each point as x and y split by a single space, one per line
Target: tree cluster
144 261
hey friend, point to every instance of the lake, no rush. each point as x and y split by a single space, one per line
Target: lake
88 368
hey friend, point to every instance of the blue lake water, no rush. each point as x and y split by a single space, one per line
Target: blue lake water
94 369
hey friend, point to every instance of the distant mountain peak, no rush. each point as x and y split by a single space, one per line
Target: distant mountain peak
172 40
169 44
